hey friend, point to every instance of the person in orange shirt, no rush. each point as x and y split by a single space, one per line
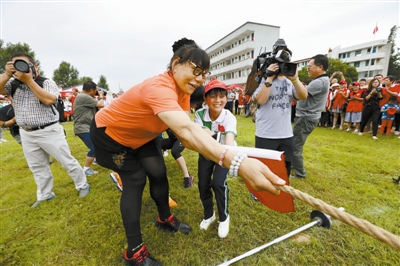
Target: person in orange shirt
354 107
125 135
339 99
393 89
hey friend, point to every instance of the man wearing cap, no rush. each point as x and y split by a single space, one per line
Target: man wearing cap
308 111
41 133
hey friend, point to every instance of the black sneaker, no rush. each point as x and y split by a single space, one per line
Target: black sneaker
142 257
172 224
188 181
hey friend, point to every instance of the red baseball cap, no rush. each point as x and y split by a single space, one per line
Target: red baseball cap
355 83
214 83
343 81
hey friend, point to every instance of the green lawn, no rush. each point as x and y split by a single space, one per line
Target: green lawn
344 170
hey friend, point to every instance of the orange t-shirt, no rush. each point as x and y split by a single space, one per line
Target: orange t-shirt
355 105
339 99
132 120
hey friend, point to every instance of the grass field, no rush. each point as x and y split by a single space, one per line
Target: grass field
344 170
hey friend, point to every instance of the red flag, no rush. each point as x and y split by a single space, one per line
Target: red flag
276 162
375 30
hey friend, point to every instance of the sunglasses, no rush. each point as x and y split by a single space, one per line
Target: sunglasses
197 71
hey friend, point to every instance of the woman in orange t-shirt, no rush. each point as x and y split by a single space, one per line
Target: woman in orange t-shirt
125 135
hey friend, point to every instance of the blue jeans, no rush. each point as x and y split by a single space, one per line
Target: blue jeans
85 137
301 130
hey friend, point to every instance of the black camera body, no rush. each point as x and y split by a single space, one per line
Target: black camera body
379 89
101 89
286 68
23 66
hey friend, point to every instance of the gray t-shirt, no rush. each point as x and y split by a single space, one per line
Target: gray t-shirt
84 111
316 99
273 118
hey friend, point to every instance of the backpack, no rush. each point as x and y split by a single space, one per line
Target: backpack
58 105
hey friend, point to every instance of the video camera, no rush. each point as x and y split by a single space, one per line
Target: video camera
280 55
23 66
101 89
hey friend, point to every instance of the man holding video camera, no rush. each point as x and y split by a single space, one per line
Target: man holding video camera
85 107
279 85
41 133
308 111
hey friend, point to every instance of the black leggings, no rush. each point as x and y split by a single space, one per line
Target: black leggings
133 165
372 112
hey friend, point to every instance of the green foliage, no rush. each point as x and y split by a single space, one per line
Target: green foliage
344 170
103 83
303 75
10 49
349 72
66 75
394 60
84 79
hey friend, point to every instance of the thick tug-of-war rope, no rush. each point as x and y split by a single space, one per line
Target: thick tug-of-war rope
360 224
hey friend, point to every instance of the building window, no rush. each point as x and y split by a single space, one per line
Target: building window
374 49
343 56
252 36
356 64
367 63
252 54
371 74
372 62
368 50
348 55
365 74
358 52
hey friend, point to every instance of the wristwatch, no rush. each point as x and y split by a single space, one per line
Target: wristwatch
267 84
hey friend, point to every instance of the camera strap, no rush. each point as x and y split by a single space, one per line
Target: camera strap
16 83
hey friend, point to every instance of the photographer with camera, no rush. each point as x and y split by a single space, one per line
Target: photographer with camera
308 111
85 107
41 133
274 95
371 110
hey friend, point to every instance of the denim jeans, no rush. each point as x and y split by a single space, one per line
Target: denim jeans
301 130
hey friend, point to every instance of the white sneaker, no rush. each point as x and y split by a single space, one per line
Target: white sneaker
375 138
165 153
396 132
207 222
4 140
349 129
223 228
356 131
360 133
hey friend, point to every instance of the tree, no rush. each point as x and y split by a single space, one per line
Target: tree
66 75
10 49
335 64
394 59
103 83
84 79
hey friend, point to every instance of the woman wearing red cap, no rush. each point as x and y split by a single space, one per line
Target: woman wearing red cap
125 135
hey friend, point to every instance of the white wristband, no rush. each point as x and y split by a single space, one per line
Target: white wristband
235 164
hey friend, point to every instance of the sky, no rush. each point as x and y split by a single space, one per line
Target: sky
129 41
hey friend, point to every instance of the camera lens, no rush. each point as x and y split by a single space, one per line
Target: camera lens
21 66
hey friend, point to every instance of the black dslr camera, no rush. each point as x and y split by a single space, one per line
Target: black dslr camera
280 55
23 66
101 89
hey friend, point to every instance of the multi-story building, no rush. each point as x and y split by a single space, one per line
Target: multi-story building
369 58
232 56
